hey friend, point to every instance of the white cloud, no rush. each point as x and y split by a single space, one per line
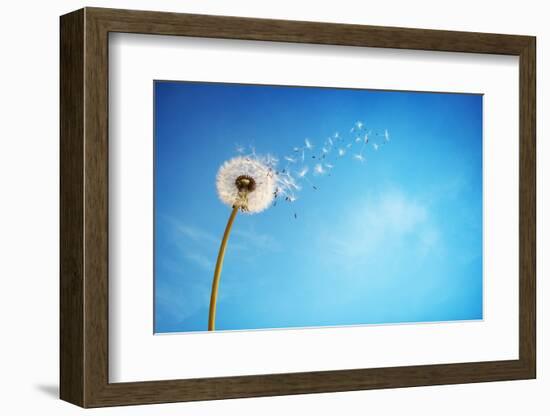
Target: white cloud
179 299
195 234
382 223
200 260
260 241
203 243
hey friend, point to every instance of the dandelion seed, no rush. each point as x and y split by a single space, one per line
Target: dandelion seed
271 160
308 144
359 157
302 172
325 150
341 152
287 183
359 125
358 139
375 146
366 140
290 159
239 149
386 135
336 135
349 145
330 142
318 169
329 165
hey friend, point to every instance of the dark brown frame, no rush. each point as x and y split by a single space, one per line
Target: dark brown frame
84 207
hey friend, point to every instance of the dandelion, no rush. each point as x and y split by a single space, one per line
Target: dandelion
246 184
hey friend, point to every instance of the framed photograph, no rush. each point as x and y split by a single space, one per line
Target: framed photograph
255 207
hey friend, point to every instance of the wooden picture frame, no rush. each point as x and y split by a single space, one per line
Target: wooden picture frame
84 207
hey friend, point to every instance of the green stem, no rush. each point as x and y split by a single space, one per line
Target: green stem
218 270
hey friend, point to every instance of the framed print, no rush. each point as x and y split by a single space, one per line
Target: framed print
256 207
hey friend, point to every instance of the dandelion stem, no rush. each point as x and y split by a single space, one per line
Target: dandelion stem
218 270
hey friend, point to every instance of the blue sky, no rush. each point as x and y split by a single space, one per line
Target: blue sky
395 239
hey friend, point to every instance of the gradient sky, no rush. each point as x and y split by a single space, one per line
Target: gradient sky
395 239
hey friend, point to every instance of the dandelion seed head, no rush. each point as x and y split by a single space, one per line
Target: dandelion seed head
246 182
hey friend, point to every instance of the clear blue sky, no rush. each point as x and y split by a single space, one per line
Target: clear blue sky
395 239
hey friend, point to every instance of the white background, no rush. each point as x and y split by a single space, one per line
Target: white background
136 355
29 210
